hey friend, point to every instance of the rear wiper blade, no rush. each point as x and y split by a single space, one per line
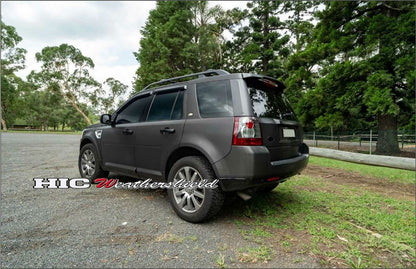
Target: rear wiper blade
286 114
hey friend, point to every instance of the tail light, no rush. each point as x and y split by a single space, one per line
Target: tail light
247 132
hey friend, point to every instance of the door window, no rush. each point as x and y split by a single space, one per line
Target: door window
164 106
177 110
134 111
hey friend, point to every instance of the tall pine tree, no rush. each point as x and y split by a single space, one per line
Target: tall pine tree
260 46
367 59
180 37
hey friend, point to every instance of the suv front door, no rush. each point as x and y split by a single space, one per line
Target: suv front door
117 141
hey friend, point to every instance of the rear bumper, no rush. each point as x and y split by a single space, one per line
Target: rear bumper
247 167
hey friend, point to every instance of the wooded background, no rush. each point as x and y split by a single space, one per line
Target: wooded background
347 65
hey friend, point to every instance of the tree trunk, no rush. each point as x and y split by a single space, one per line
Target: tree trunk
387 143
82 113
72 100
3 124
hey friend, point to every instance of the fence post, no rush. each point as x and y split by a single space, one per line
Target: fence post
338 141
371 141
314 141
402 140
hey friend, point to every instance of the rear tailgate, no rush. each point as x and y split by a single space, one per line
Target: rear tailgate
281 131
282 138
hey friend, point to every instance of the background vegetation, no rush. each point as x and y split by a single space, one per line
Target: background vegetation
346 65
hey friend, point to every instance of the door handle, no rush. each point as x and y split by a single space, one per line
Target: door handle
128 131
167 130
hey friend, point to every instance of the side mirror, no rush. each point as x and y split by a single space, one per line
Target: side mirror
105 119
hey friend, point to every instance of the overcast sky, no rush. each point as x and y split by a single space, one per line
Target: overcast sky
108 32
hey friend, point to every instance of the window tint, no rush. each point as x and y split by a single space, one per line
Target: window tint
269 102
177 111
214 99
134 112
162 106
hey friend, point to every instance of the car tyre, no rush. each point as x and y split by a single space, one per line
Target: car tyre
89 164
198 204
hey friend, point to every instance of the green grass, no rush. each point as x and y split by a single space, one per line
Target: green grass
43 132
256 254
403 176
316 216
220 261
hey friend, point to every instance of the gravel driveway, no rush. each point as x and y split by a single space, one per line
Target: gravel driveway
104 227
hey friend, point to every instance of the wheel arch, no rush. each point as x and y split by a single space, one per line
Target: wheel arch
85 141
88 140
180 153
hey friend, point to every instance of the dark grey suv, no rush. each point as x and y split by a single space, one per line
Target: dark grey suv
237 128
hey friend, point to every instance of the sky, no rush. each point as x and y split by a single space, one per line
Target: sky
106 31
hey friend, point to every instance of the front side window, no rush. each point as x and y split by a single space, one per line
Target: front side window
214 99
134 111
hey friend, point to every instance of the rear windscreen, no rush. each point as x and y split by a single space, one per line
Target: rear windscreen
268 100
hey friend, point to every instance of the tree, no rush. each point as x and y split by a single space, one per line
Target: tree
46 107
208 35
299 76
12 60
367 58
181 38
261 46
67 69
115 89
42 107
166 46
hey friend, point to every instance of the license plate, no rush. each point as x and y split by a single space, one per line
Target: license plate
289 133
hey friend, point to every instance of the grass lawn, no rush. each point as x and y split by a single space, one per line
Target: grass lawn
344 225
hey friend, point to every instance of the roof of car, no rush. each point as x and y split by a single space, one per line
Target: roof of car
208 75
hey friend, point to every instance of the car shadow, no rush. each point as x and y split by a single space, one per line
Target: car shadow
234 207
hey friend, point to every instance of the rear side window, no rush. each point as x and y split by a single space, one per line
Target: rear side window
162 106
133 112
177 110
268 101
214 99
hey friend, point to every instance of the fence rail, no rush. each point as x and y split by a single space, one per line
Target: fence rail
361 140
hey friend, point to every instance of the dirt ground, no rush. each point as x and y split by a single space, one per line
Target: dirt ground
93 227
349 178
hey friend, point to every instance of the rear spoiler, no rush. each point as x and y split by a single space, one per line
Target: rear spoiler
254 78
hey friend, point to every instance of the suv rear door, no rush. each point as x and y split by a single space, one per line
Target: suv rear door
210 118
281 131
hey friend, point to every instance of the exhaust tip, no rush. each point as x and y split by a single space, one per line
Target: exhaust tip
244 196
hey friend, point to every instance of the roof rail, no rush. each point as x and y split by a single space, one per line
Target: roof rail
206 73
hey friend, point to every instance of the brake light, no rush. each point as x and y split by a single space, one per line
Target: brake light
247 132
